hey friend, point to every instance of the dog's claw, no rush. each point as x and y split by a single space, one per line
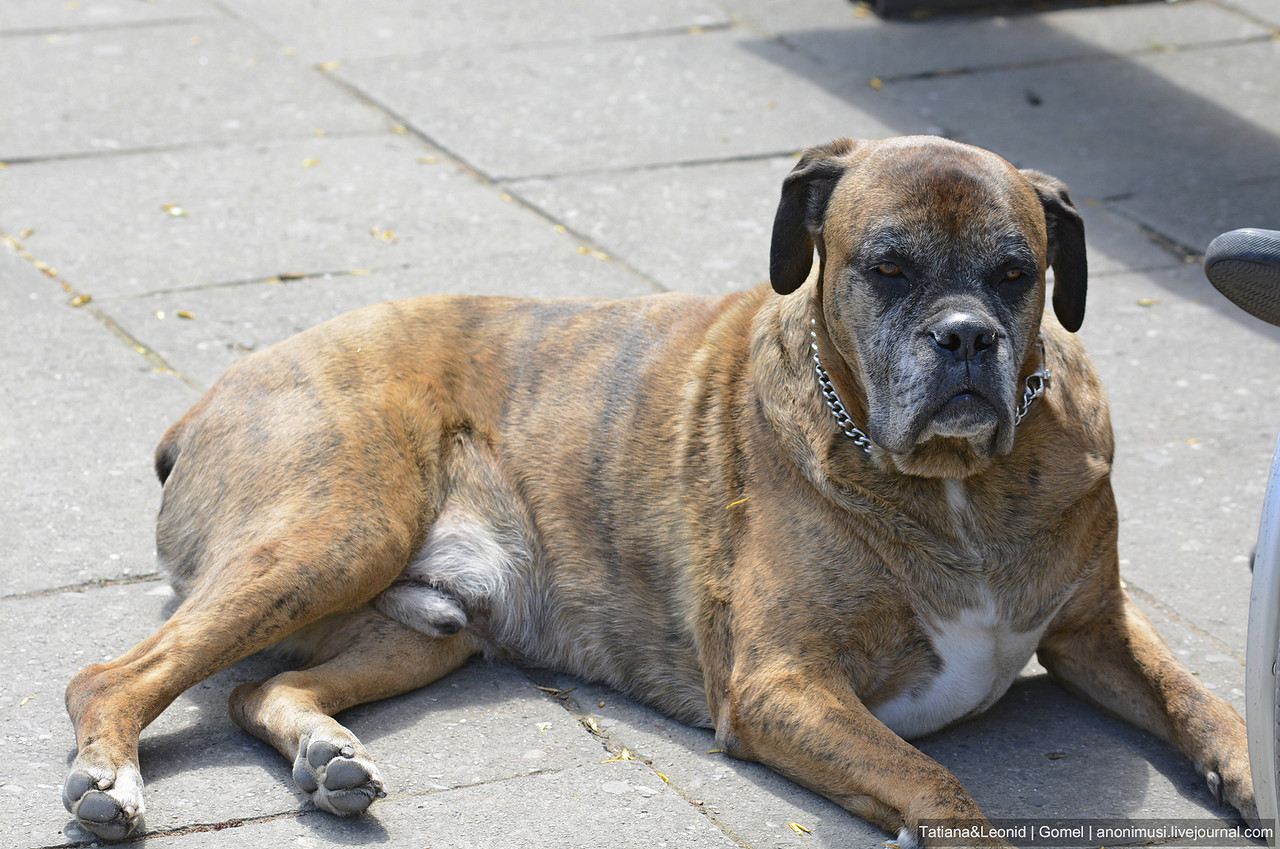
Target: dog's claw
905 840
1214 780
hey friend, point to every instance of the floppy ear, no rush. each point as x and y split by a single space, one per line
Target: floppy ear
1066 249
805 193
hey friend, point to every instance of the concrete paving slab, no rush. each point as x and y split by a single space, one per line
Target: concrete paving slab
80 413
703 229
1195 421
1196 121
887 50
749 801
1042 753
227 322
616 805
1193 217
30 16
1260 10
169 84
345 29
587 106
182 219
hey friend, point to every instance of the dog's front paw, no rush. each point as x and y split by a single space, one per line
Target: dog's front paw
338 775
106 801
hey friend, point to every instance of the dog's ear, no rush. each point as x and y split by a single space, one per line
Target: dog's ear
1066 249
805 193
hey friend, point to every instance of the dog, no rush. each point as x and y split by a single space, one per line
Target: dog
823 516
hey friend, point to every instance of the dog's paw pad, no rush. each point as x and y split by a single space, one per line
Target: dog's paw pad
339 778
107 803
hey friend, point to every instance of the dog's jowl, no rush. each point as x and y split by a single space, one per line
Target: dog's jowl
822 516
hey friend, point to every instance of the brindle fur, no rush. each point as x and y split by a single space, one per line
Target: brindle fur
652 493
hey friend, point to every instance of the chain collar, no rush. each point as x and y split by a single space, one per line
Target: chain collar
1036 384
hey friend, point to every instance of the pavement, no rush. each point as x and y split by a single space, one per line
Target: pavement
185 181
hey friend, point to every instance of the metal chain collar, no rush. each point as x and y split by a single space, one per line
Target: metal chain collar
1036 384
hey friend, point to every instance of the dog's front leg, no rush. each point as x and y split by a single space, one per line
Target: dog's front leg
819 734
1104 648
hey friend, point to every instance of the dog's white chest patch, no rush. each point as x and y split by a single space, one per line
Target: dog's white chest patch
980 655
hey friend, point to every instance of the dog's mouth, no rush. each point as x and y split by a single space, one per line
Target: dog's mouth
967 414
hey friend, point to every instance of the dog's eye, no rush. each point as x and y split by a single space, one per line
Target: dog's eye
889 269
1012 274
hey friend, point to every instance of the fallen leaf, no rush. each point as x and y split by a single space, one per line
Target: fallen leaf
1055 756
43 266
310 162
174 210
185 314
25 700
80 300
399 129
25 233
1148 302
591 724
290 275
331 65
624 755
876 83
798 828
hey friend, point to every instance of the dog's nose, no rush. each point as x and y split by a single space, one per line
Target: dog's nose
964 334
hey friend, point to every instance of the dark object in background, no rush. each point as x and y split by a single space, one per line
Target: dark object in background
1244 265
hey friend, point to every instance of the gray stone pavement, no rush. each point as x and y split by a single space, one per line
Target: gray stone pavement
188 180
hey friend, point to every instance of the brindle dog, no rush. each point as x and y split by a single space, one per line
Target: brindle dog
820 517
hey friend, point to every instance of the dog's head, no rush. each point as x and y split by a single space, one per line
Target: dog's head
931 285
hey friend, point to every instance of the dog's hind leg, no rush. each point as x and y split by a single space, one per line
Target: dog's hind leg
263 588
359 657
